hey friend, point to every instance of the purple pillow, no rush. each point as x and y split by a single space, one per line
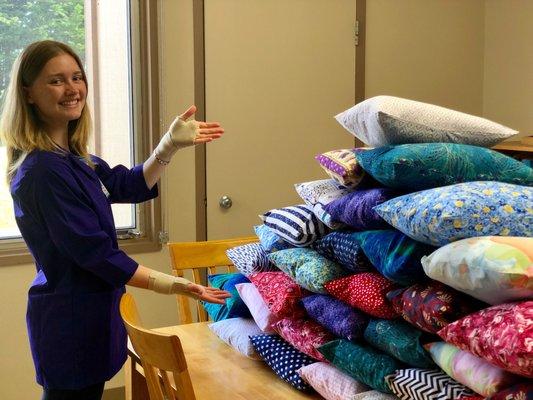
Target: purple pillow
336 316
356 209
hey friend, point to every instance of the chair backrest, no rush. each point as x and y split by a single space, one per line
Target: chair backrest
199 257
161 356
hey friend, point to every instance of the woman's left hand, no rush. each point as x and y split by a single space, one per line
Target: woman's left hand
209 294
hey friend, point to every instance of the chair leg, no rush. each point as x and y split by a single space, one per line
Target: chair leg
135 385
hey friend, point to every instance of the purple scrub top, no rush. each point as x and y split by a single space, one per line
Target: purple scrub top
76 335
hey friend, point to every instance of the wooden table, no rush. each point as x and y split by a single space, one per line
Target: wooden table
217 371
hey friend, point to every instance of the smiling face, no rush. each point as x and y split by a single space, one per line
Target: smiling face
58 93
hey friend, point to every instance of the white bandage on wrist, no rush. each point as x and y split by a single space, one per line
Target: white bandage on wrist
167 284
180 134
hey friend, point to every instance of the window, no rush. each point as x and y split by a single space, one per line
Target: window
121 65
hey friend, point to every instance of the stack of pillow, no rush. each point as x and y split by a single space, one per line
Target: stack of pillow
407 274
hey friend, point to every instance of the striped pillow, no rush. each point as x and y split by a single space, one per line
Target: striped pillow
297 225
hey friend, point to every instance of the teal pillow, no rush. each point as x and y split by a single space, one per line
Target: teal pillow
421 166
308 268
395 255
361 362
234 307
443 215
400 340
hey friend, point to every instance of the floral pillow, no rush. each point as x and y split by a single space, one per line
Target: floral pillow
399 340
297 225
317 194
234 306
308 268
424 384
280 293
235 332
500 334
419 166
344 248
431 306
522 391
363 363
495 269
473 372
284 359
257 306
395 255
446 214
341 165
270 242
331 383
384 120
335 315
304 334
249 258
356 209
365 291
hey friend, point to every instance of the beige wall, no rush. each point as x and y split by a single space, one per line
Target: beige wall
508 83
17 377
426 50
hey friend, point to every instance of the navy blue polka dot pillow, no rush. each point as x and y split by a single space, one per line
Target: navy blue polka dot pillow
284 359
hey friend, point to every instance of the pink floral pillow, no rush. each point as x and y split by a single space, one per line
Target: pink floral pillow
330 382
280 293
366 291
257 306
304 334
500 334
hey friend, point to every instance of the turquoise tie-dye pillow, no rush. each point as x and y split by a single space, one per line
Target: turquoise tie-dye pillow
308 268
362 362
233 307
443 215
421 166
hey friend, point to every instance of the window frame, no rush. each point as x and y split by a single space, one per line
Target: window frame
147 117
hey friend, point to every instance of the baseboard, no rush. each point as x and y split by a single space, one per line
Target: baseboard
117 393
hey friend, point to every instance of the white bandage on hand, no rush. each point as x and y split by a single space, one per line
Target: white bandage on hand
180 134
168 284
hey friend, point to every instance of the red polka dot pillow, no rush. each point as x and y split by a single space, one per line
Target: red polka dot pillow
280 293
366 291
304 334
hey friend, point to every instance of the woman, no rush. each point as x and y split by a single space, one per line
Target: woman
62 198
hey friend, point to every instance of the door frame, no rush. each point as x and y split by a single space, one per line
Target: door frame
200 168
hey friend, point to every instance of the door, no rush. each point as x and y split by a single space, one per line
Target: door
276 73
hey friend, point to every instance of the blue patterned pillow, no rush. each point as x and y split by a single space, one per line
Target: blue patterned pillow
308 268
400 340
250 258
336 316
395 255
443 215
344 247
298 225
284 359
362 362
269 240
233 307
421 166
424 384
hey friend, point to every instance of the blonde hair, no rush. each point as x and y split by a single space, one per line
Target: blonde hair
20 127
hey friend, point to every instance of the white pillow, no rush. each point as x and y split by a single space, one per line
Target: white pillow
236 332
317 194
388 120
257 306
373 395
330 382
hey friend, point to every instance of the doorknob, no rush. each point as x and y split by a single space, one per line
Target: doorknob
225 202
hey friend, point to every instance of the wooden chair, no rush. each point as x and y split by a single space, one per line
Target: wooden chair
161 356
199 257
